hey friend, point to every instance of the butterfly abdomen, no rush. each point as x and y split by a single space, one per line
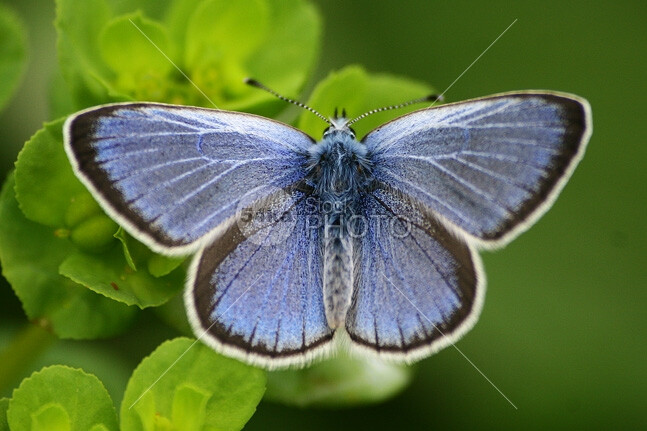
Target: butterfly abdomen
337 273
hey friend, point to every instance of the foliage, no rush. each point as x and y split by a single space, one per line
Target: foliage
181 385
77 273
108 56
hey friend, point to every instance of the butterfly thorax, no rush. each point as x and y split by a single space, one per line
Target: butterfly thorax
340 172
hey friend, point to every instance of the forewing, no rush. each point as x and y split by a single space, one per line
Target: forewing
489 166
172 174
419 287
258 296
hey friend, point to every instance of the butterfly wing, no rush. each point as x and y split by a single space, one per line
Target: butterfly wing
173 174
256 293
489 166
419 287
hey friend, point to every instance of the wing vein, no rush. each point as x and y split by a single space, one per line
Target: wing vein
490 173
472 187
172 180
151 168
433 198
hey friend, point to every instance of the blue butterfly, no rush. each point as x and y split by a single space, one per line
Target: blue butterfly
302 244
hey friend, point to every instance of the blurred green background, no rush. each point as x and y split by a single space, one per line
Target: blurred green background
563 333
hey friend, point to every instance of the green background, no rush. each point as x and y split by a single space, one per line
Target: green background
563 333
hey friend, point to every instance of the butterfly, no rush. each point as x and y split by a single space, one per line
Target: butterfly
300 243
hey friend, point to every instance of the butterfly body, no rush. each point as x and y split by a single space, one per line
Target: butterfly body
376 239
340 174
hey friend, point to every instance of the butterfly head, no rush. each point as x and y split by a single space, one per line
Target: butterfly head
339 124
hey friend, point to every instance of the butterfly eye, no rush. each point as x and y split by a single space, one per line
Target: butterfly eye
352 131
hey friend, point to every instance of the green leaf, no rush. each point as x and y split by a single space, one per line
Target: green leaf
290 49
78 24
178 15
342 381
61 398
220 42
358 92
13 53
31 254
278 59
51 417
131 45
111 276
186 385
94 234
45 183
82 205
221 34
220 29
50 194
4 406
160 266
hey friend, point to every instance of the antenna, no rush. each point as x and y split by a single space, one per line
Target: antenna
430 98
255 83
